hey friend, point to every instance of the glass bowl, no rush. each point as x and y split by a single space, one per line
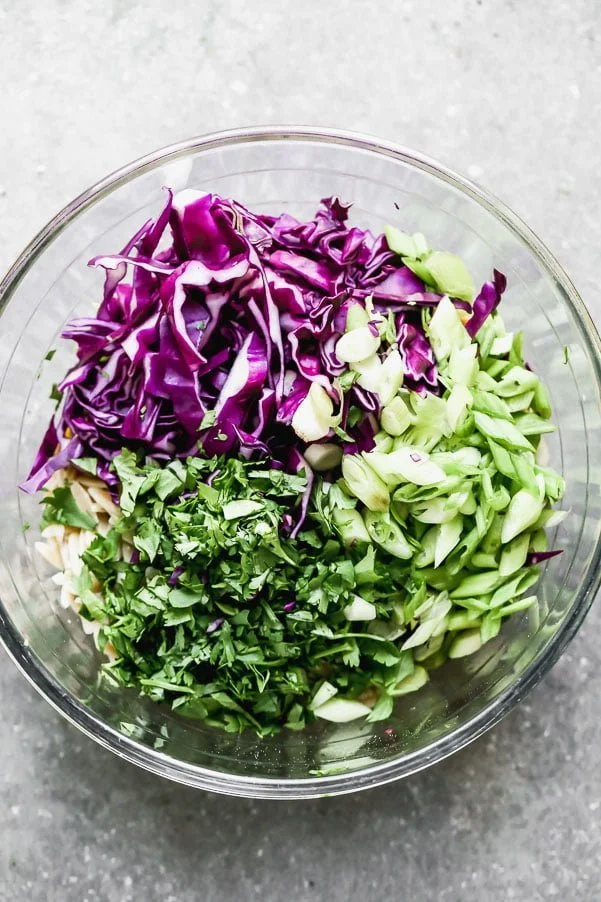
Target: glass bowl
276 169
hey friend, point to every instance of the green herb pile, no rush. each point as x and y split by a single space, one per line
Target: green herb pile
221 615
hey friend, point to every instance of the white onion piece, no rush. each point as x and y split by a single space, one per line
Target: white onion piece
357 345
359 609
342 710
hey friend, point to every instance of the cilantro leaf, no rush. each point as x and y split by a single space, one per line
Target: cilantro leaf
61 507
87 464
208 420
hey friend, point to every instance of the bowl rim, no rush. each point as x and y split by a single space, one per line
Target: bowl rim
373 775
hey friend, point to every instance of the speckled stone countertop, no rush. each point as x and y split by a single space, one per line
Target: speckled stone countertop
507 91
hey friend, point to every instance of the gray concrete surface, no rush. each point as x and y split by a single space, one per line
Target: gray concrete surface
508 91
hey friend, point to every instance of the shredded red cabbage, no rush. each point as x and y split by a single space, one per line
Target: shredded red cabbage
537 557
237 314
226 319
487 301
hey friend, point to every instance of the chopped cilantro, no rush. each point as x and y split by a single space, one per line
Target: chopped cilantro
61 507
254 620
208 420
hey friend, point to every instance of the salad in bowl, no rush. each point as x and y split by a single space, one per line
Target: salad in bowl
296 468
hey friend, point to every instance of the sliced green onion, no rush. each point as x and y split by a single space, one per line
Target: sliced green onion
523 512
458 402
441 629
463 365
514 554
516 355
487 333
515 587
400 242
422 633
406 464
491 541
500 499
554 485
462 621
504 461
477 584
370 373
465 644
425 556
323 457
445 330
432 645
388 534
538 539
542 456
488 403
458 461
412 683
324 693
549 519
314 417
485 382
321 402
469 506
419 268
440 510
391 377
450 275
501 345
525 471
496 368
351 527
522 605
357 317
421 245
531 424
364 483
357 345
384 442
520 402
474 606
516 382
430 421
541 401
501 431
485 561
395 417
490 626
448 535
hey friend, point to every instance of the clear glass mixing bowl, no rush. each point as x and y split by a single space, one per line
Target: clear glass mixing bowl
274 170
